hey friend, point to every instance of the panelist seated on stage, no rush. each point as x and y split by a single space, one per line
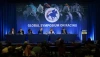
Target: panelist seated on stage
40 31
63 31
51 31
21 32
30 31
12 32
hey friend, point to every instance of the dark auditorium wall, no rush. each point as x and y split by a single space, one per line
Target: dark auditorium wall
97 20
91 20
8 18
1 22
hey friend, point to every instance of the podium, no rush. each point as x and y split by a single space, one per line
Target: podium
84 35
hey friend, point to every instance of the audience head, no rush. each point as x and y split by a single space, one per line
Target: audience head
18 47
28 46
8 44
38 44
1 47
98 42
44 43
0 44
62 42
27 50
11 49
25 42
5 50
43 56
59 38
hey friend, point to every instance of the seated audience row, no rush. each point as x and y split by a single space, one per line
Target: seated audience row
46 49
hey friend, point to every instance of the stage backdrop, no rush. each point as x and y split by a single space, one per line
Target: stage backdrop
9 19
72 16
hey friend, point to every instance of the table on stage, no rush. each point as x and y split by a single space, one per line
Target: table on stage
34 38
37 38
66 38
15 38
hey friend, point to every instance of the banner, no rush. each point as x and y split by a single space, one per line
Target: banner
33 16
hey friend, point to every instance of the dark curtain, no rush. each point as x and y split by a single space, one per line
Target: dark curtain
1 19
91 21
97 21
7 18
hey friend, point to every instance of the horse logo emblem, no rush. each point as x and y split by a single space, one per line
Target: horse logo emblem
52 15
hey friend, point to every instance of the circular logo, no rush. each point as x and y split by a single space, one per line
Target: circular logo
52 15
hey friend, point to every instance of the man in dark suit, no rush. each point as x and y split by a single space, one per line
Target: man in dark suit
21 32
40 31
12 32
30 31
63 31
